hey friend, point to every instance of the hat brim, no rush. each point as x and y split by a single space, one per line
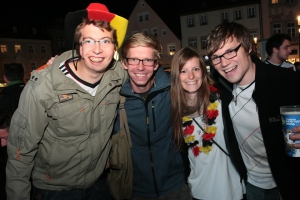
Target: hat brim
73 19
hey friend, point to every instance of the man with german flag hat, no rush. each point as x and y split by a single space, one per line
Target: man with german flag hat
55 136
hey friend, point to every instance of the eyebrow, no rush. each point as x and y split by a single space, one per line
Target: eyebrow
88 37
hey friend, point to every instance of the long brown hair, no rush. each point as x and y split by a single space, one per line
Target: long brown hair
178 96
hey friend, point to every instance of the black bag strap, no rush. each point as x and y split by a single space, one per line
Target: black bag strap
123 119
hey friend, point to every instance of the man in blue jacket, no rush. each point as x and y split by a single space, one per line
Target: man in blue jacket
158 170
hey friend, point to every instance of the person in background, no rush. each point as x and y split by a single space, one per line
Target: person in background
278 48
196 116
60 134
158 169
251 94
13 75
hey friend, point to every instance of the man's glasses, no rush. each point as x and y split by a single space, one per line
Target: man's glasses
231 53
146 62
106 42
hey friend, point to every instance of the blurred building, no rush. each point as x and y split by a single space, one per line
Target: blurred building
159 18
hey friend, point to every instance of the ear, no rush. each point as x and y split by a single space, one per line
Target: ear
156 67
124 65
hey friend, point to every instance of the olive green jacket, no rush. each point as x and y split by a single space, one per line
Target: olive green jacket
59 135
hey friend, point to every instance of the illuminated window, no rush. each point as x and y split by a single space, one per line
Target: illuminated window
172 49
17 48
3 48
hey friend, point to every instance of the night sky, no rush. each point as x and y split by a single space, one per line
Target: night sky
44 12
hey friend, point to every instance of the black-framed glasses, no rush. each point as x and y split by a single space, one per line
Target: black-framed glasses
146 62
106 42
231 53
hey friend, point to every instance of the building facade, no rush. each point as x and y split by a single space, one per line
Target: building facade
145 19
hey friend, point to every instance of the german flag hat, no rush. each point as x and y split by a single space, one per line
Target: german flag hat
96 11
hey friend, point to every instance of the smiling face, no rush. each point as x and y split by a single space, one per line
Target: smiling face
95 58
239 69
141 77
191 77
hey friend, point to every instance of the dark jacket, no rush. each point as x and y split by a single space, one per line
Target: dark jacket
274 87
10 100
157 165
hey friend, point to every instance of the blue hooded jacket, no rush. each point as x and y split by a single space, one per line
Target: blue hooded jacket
157 164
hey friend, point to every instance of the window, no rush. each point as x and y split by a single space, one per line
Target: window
224 16
43 49
275 1
276 28
146 17
63 43
145 31
134 32
15 29
30 49
142 4
190 21
34 31
203 42
251 12
154 31
59 43
143 17
192 42
33 66
238 14
203 20
253 33
17 48
164 32
3 48
172 49
291 29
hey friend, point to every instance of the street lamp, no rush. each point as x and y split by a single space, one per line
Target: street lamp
299 37
255 45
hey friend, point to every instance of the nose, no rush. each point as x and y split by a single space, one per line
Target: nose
224 61
97 48
191 75
141 66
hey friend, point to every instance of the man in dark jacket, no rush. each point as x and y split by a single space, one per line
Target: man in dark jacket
13 77
158 169
252 95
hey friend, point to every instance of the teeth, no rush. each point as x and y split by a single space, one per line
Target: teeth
230 69
140 75
97 59
190 83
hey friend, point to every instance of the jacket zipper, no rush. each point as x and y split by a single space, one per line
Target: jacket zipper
150 150
153 117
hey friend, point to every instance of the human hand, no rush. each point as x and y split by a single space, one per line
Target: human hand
3 137
296 136
50 61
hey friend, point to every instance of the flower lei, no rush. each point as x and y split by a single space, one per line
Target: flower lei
210 129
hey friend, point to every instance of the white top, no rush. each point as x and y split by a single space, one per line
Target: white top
284 64
213 176
248 133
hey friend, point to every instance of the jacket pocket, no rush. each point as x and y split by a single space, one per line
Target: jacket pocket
68 119
18 130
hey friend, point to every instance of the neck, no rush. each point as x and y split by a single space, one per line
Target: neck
84 73
249 76
275 60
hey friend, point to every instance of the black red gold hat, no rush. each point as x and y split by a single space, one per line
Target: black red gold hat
96 11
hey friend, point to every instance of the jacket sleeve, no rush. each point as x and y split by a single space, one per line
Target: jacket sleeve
26 130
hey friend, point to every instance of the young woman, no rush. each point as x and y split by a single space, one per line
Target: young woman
197 117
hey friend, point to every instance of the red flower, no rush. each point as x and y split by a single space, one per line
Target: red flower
208 136
212 88
212 114
188 130
196 150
